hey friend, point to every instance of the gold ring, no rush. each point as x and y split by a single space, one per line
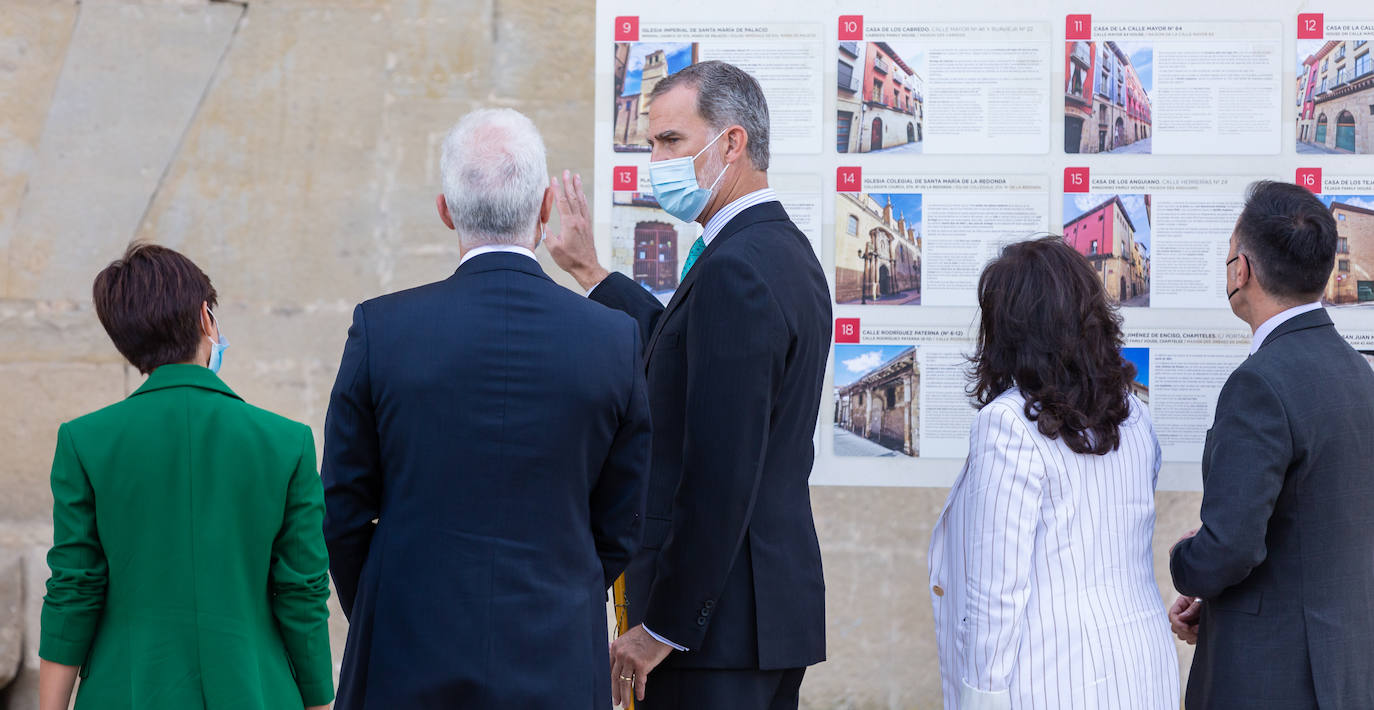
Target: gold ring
628 679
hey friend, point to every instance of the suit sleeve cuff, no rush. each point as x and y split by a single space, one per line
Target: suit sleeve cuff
591 290
971 698
317 693
62 651
664 641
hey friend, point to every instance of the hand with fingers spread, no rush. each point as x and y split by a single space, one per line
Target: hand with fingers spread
633 656
572 247
1183 618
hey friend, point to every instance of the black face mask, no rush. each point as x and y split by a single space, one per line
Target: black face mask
1235 291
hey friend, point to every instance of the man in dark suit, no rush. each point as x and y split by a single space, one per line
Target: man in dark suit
486 459
1279 580
730 574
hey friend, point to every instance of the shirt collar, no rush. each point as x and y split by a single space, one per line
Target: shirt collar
730 211
492 248
1268 326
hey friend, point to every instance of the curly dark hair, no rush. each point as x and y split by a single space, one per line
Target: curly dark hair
1047 328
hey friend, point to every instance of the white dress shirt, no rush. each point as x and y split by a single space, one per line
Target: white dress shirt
1042 573
496 248
1268 326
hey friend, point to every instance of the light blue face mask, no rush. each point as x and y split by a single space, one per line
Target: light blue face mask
217 348
675 184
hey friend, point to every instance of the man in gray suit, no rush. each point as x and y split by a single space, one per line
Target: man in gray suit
1280 577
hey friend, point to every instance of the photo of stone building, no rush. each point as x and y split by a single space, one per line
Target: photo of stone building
1335 96
1140 386
1352 278
877 248
1113 232
1107 106
877 400
647 244
880 104
639 66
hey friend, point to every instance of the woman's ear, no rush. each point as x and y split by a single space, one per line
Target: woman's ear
208 327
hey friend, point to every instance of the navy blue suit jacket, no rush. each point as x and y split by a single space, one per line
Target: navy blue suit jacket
485 462
1285 555
731 567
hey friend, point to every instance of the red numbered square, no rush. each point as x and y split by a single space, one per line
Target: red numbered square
627 28
625 178
848 179
1078 27
1076 180
846 330
1310 178
851 27
1311 25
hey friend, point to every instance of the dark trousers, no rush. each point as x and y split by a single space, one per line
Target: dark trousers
712 689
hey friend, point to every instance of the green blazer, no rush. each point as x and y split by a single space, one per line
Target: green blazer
188 560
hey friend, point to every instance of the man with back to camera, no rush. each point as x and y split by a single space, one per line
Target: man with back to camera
730 573
1283 564
496 428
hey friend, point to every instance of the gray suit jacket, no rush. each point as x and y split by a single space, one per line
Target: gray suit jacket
1285 555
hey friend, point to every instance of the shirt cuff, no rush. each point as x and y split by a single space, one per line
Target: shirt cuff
660 639
971 698
590 290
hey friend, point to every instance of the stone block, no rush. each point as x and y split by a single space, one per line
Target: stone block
132 79
879 635
53 331
275 192
11 613
33 43
47 394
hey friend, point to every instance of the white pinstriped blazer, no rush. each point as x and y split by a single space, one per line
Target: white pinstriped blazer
1041 572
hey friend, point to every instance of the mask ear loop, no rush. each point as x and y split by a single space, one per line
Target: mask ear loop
722 170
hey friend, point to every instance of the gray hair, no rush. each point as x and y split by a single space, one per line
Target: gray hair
726 96
494 173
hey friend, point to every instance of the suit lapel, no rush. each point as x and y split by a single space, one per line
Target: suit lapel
767 211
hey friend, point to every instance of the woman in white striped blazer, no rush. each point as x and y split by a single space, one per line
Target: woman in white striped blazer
1040 565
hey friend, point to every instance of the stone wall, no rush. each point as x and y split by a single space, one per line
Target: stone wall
288 146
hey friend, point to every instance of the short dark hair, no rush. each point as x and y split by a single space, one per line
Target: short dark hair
149 302
726 96
1048 329
1289 238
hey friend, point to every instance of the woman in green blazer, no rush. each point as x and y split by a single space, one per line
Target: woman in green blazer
188 562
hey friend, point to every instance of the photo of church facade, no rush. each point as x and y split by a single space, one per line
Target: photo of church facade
877 248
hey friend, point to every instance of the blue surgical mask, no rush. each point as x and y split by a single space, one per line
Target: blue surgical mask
675 184
217 348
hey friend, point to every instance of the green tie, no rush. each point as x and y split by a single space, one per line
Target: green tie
697 248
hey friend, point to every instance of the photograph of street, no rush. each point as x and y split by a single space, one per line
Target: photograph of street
1113 232
1107 106
639 66
1335 91
877 248
877 400
880 106
1352 278
1140 386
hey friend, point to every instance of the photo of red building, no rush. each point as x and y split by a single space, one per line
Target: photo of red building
1107 106
1113 232
880 105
